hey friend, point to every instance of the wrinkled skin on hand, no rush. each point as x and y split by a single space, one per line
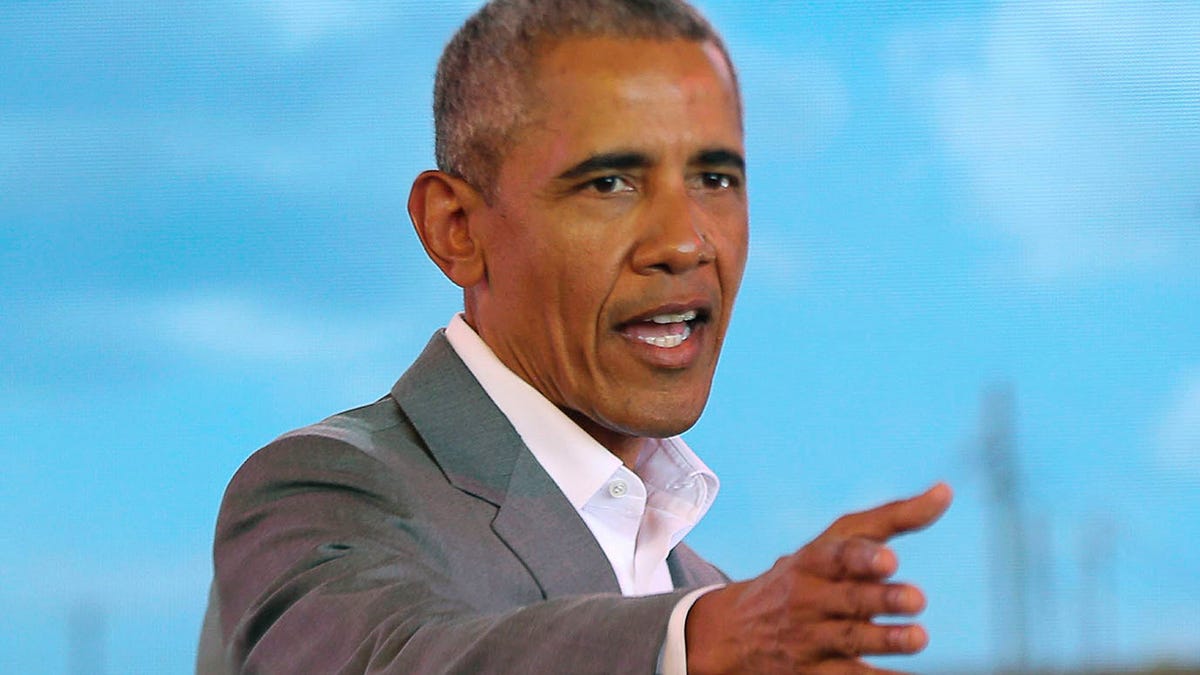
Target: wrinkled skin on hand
814 610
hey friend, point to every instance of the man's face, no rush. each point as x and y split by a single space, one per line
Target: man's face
616 237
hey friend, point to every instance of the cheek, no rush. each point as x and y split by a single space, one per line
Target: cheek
568 258
587 260
731 265
731 238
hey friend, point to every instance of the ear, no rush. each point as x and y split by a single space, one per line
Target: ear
441 207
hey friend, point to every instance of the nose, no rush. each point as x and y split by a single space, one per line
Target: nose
673 239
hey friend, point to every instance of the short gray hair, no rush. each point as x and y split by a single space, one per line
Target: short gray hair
480 92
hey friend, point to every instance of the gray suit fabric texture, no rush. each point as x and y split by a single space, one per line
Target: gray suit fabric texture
418 534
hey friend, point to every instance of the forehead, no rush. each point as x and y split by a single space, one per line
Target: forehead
658 65
599 91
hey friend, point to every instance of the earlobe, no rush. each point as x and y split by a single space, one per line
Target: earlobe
441 208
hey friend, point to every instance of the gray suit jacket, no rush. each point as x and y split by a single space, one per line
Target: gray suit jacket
419 534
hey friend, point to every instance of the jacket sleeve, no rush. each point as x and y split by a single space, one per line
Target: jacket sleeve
326 561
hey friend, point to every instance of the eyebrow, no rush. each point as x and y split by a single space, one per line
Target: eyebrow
624 161
607 161
721 158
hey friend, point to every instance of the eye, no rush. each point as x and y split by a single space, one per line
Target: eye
718 181
607 185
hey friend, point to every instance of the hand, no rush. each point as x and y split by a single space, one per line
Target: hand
813 611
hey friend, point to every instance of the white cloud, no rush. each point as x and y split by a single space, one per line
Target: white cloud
124 346
1078 127
76 157
304 22
1178 432
232 325
801 93
301 24
229 326
52 163
779 258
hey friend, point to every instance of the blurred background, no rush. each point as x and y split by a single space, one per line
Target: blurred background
975 257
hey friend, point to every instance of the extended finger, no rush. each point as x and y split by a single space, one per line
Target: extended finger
859 638
864 601
834 557
884 522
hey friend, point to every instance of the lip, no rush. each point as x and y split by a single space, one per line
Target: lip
679 357
703 309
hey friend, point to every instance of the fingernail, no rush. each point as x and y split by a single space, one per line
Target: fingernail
895 598
897 638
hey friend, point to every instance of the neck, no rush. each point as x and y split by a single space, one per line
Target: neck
627 448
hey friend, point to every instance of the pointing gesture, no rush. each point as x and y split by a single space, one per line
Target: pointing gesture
813 611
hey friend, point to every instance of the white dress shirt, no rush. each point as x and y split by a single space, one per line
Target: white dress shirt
636 516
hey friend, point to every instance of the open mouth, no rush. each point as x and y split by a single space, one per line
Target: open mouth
666 330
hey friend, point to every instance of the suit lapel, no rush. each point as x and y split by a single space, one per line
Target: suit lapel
689 570
481 454
544 530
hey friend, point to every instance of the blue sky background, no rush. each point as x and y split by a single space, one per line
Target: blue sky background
203 243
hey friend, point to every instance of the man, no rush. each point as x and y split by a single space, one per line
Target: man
516 503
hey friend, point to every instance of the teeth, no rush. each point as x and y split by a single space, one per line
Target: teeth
668 341
674 318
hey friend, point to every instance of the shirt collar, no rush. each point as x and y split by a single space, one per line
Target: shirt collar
574 460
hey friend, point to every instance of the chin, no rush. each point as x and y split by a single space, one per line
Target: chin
675 422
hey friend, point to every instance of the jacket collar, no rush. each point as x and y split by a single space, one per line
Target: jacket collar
481 454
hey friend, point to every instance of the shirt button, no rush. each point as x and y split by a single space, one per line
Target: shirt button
618 488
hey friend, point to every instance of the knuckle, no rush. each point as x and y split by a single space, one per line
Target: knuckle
796 562
861 602
848 641
858 557
839 554
806 642
843 520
